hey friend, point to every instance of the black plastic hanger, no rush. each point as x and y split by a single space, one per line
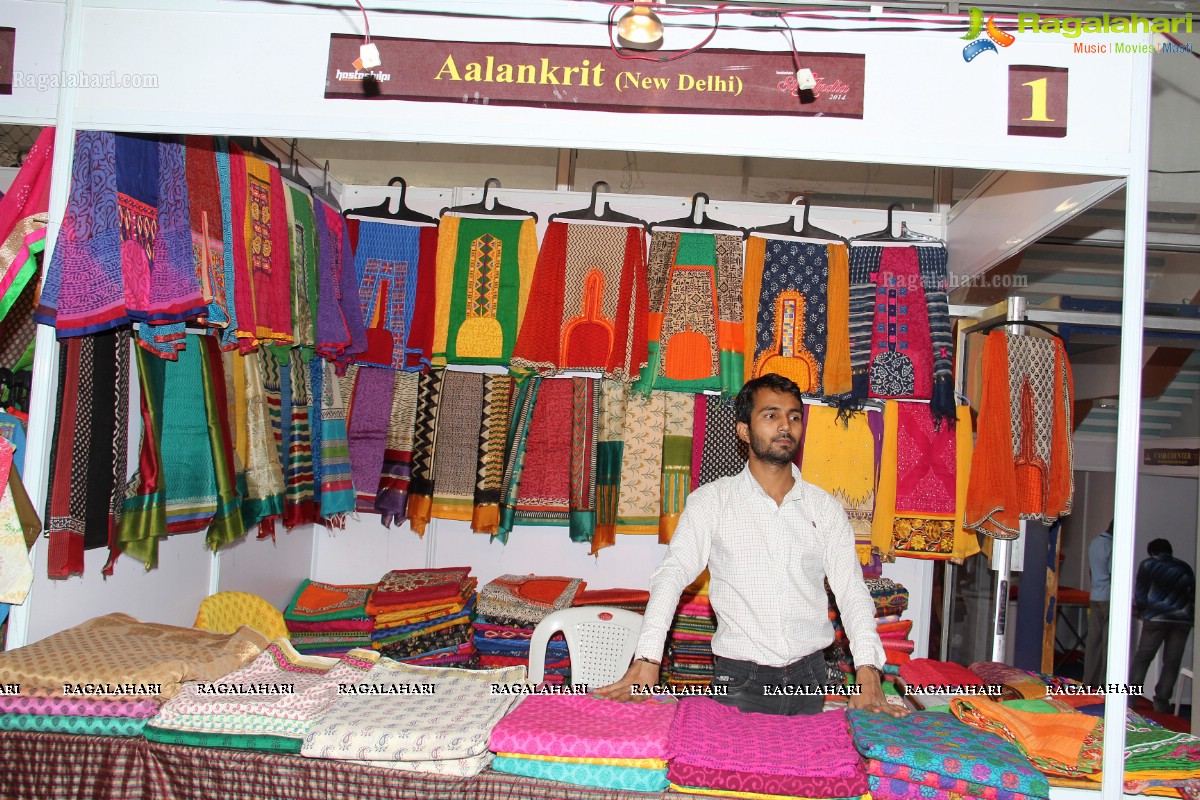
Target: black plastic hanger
704 223
384 211
1000 323
805 228
598 210
905 235
255 146
325 192
292 173
497 209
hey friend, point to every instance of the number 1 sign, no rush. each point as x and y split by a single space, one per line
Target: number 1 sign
1037 101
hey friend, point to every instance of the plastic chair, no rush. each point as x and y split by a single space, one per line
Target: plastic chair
225 612
600 640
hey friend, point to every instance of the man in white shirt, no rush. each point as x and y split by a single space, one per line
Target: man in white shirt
769 540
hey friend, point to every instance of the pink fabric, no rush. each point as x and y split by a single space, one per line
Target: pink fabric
695 609
927 671
78 707
897 789
907 334
898 645
943 782
585 726
699 425
691 637
762 783
708 734
926 463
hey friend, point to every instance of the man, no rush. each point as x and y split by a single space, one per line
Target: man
769 540
1163 596
1095 657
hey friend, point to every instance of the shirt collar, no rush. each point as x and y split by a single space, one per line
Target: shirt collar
795 493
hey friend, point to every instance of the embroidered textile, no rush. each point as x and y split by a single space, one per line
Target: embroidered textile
629 779
263 502
493 437
299 501
678 421
261 251
394 262
392 499
208 228
1022 464
639 501
456 452
901 362
935 277
367 429
341 334
840 458
420 488
592 302
331 473
322 602
1057 742
225 187
934 780
585 726
24 211
717 452
524 403
304 251
485 269
767 783
407 586
118 649
16 572
695 338
527 598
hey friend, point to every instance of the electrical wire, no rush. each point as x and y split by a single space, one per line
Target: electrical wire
366 22
628 56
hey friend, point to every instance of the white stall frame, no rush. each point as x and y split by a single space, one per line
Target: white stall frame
257 68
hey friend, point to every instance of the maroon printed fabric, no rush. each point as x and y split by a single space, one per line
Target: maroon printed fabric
763 783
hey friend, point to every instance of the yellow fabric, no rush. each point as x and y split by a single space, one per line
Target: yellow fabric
640 763
236 391
447 251
841 460
675 787
225 612
700 585
527 256
837 348
966 543
756 256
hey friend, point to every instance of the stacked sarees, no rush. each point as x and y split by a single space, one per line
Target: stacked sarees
890 600
689 658
510 607
587 741
328 620
423 616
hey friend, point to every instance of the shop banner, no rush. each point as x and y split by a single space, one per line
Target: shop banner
733 82
8 46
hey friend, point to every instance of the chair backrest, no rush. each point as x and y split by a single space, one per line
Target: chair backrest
225 612
600 640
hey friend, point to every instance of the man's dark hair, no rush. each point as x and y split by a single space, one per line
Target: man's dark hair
743 405
1159 546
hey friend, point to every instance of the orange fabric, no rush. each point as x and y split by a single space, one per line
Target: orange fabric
654 323
756 255
1057 737
731 336
420 511
837 345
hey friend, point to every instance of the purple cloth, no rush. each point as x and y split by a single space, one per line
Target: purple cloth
341 334
367 426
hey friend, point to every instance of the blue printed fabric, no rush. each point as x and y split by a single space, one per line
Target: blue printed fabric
629 779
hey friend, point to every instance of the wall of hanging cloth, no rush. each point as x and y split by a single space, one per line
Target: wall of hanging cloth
312 399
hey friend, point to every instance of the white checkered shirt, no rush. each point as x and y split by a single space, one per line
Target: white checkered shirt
767 565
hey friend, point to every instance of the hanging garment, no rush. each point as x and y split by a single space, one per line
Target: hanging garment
1022 467
717 452
420 488
679 420
340 333
935 277
225 188
524 403
610 448
489 487
208 228
299 503
639 498
24 211
695 325
367 429
901 362
392 499
395 264
796 294
16 573
923 486
261 252
592 302
457 445
262 503
305 255
842 459
88 457
333 477
864 264
226 525
485 269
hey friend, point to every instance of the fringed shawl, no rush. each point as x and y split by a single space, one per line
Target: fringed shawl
299 503
695 336
420 488
263 501
592 303
679 419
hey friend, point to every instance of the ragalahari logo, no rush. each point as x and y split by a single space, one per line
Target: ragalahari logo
995 36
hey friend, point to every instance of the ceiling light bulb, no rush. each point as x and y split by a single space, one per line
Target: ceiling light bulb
640 29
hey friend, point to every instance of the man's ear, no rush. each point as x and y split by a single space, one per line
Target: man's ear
743 432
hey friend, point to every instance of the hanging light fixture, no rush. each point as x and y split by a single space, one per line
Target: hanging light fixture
640 28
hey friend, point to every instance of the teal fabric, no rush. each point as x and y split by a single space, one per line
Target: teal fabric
56 723
629 779
226 741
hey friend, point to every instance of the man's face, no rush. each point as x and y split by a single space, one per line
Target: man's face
775 426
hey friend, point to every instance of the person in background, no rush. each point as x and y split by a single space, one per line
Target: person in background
1164 598
769 540
1095 659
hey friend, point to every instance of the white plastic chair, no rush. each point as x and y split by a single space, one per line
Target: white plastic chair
600 640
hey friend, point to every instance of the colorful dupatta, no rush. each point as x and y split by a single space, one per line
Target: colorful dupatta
367 429
24 211
340 332
493 436
16 572
695 336
302 236
262 503
208 228
262 254
457 446
639 501
332 473
610 449
678 421
299 503
717 452
392 500
420 488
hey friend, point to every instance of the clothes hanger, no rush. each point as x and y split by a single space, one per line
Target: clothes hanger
598 210
293 170
384 211
999 323
325 192
807 229
255 146
885 235
704 223
497 209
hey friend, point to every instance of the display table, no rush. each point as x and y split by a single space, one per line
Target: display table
51 766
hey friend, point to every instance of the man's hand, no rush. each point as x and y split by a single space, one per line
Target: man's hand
871 698
639 673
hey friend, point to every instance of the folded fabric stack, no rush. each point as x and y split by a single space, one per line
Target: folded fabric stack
435 720
587 741
110 674
629 599
1019 682
423 616
708 753
937 681
891 600
325 619
510 607
689 657
269 705
933 756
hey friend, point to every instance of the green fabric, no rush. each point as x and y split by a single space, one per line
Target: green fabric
225 741
629 779
188 472
226 526
24 273
514 451
144 513
63 723
306 254
354 612
1149 747
504 315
